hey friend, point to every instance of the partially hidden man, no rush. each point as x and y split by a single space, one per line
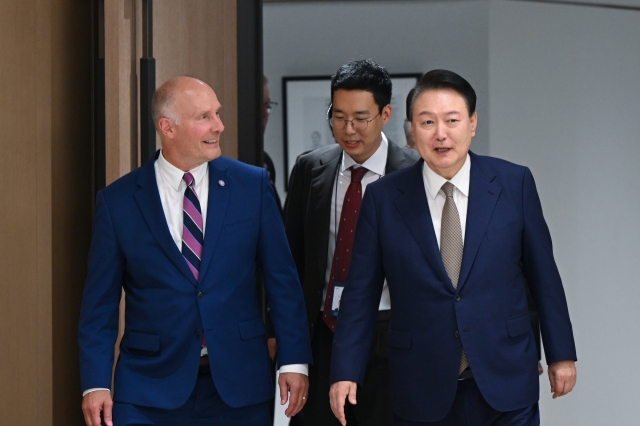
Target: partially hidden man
321 210
456 237
183 236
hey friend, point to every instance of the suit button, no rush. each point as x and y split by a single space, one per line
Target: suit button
197 332
456 334
200 295
458 298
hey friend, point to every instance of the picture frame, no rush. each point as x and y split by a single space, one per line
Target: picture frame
305 104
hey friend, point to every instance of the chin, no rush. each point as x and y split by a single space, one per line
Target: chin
215 153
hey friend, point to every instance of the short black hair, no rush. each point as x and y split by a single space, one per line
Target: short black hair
364 74
443 79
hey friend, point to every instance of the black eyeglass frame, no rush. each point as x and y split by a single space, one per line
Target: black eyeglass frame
353 121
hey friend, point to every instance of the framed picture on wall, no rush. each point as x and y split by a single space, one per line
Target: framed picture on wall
305 104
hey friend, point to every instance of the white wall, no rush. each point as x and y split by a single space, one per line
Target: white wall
559 91
306 39
565 100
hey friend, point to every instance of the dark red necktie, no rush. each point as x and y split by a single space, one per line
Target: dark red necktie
344 242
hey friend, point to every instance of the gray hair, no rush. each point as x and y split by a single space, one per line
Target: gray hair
163 104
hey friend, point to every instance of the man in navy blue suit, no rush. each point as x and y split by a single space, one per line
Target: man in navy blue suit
456 236
183 236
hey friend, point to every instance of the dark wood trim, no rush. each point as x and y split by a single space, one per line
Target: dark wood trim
147 85
249 33
99 124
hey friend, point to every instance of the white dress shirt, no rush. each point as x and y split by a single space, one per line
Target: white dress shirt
375 165
436 197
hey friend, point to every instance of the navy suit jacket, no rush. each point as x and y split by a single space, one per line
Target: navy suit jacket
506 242
167 310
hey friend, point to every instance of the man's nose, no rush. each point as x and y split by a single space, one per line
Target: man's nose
441 132
217 126
350 127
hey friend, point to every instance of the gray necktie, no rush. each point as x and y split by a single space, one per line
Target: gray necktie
451 245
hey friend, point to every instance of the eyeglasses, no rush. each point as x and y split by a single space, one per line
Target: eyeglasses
269 106
359 124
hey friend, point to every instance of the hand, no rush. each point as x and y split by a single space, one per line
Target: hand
562 376
338 392
294 387
95 402
540 369
271 344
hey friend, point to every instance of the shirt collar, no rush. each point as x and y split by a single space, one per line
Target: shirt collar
376 163
173 175
434 181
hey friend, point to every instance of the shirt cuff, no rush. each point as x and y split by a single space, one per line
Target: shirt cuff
93 390
295 368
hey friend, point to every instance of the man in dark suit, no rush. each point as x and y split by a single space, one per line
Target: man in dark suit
183 235
320 185
455 236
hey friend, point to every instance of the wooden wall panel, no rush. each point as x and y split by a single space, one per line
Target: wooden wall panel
198 38
44 220
71 193
121 27
45 206
18 216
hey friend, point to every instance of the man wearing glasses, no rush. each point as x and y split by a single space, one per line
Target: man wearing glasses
321 210
267 108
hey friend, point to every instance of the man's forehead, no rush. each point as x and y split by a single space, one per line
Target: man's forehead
446 101
360 100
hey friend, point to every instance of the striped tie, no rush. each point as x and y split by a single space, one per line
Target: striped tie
192 235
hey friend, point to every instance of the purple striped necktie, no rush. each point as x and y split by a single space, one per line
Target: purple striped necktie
192 229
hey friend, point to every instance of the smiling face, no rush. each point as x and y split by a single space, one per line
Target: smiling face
442 130
358 104
195 138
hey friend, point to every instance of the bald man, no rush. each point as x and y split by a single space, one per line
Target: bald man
184 235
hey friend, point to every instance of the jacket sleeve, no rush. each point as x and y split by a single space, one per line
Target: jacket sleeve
543 278
360 299
99 315
284 293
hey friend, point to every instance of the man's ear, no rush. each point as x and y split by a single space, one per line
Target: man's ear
386 113
165 127
474 123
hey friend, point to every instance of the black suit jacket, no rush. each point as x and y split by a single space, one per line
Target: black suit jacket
307 214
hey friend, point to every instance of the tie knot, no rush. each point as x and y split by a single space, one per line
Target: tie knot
188 177
447 188
357 174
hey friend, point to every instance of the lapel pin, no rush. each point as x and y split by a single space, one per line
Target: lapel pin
221 182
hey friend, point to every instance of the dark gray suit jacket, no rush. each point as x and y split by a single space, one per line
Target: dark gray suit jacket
307 214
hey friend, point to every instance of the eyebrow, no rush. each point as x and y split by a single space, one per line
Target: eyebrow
366 111
431 113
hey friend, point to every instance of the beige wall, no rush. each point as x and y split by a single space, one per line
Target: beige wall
45 205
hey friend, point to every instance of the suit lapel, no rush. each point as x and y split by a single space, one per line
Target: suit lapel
320 193
219 194
396 159
414 209
148 199
483 195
